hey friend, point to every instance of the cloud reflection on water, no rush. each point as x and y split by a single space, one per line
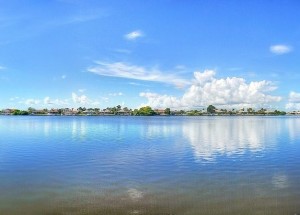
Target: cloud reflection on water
228 136
280 181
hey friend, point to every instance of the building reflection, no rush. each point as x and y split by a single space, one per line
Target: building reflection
78 129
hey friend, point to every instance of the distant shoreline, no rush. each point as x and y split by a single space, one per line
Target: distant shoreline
146 111
112 115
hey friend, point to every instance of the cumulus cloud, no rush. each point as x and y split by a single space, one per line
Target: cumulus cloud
161 101
207 89
47 100
124 70
84 100
205 76
293 101
280 49
294 97
134 35
79 99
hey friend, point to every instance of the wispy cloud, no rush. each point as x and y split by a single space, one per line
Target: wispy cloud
116 94
2 68
14 98
123 51
138 84
180 67
55 102
31 101
125 70
76 19
81 90
134 35
280 49
63 77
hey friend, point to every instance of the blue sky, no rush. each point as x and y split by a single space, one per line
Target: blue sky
178 54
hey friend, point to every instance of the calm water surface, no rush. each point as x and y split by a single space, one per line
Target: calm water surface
149 165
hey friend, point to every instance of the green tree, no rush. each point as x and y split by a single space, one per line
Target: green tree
30 110
262 111
249 110
60 111
277 112
16 112
167 111
20 112
146 111
181 112
211 109
135 112
118 107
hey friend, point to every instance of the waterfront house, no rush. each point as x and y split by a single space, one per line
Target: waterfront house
7 111
159 112
124 112
106 112
53 112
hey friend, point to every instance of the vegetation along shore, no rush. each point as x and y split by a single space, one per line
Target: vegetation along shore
143 111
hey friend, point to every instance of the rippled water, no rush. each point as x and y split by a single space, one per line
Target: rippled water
149 165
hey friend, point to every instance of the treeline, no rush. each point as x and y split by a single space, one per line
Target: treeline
143 111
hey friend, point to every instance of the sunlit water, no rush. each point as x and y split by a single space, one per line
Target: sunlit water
149 165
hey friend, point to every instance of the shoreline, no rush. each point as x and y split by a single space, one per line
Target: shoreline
116 115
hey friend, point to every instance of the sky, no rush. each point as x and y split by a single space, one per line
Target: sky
167 53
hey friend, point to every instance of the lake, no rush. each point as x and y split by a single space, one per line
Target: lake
149 165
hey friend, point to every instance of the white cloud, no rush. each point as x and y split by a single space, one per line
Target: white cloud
294 101
14 98
161 101
180 67
105 99
138 84
280 49
32 101
81 90
206 89
83 99
116 94
47 100
2 67
294 97
134 35
63 77
124 70
123 51
56 102
205 76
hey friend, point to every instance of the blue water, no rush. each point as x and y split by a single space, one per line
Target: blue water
149 165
